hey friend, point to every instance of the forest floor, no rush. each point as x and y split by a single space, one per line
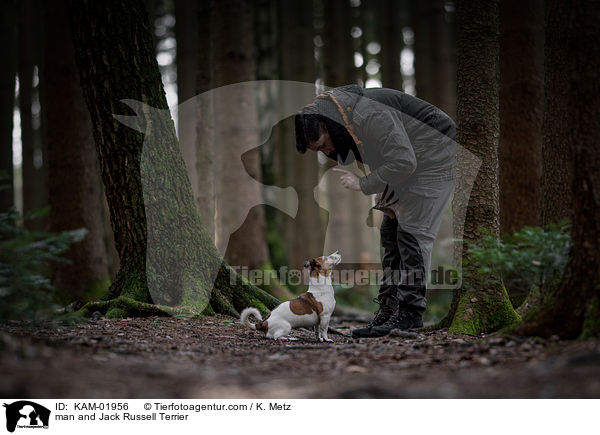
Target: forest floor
216 357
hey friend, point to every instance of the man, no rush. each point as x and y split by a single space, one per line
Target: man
409 146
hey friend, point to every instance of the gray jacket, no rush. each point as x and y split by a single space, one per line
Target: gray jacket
401 138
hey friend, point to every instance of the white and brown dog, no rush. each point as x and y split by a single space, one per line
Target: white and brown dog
313 308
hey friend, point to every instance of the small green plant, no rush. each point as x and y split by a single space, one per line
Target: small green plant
526 259
25 256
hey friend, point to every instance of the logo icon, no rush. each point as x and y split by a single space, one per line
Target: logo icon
26 414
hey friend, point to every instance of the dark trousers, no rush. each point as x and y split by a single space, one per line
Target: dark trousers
403 266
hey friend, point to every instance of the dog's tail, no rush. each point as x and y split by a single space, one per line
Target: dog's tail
247 313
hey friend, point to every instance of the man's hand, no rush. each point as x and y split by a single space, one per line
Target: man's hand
348 179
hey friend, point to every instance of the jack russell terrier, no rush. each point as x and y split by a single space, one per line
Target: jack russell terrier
313 308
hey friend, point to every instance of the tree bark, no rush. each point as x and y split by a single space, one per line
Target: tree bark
389 35
572 308
186 32
235 62
521 112
205 141
557 167
33 174
338 54
9 39
443 77
75 194
157 230
423 48
305 236
482 304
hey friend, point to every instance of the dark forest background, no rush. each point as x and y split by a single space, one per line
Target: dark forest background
520 78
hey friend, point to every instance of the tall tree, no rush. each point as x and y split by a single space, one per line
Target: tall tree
420 12
338 53
74 185
234 57
521 111
34 186
115 55
187 32
572 308
305 235
557 169
482 304
205 143
443 75
389 35
434 72
9 40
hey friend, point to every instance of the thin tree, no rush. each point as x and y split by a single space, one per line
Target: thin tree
572 308
115 55
34 186
482 304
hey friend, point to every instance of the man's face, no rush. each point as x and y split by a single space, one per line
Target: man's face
323 143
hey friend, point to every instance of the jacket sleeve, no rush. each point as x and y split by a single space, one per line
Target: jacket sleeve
385 132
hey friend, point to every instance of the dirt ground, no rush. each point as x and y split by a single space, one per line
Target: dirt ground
218 358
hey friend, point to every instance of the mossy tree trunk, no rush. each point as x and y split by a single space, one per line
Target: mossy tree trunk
482 304
74 186
157 230
572 308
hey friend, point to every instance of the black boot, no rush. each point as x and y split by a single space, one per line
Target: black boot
388 307
405 319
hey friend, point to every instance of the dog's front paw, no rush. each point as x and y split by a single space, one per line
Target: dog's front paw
328 340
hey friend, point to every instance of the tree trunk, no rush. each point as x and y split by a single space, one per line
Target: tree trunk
33 175
443 77
205 141
75 194
420 13
186 32
234 62
521 111
158 234
389 35
338 54
306 235
557 168
8 37
482 304
573 47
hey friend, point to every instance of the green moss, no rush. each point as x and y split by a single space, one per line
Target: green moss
273 286
123 307
591 323
116 313
485 310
